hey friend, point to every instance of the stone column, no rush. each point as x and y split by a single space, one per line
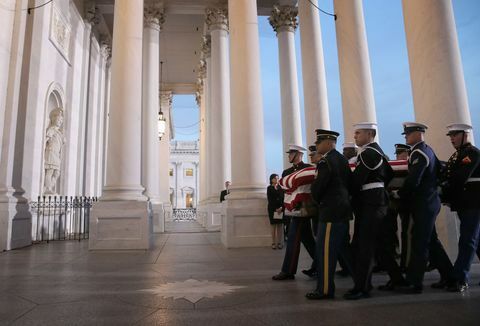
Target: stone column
206 49
284 22
438 85
153 19
313 70
201 102
244 216
358 103
164 163
121 219
15 218
217 23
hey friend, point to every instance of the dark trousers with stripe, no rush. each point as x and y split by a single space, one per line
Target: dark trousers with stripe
368 219
387 246
468 242
299 231
330 246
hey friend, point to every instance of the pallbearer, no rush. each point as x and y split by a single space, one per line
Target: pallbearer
461 191
330 192
419 192
372 174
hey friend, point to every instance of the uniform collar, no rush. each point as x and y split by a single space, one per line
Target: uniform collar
417 144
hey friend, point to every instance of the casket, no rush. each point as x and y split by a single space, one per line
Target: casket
400 169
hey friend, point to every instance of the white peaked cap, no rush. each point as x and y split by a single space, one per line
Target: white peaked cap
365 125
297 148
414 124
349 145
459 127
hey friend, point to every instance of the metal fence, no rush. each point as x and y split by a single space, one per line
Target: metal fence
184 214
61 218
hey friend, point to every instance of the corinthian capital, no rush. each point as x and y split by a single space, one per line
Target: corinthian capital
283 18
206 46
153 15
217 18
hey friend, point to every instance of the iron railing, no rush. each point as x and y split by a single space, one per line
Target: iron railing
184 214
61 218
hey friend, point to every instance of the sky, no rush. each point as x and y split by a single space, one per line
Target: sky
389 68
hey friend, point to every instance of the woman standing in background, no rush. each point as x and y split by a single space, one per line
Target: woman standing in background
275 211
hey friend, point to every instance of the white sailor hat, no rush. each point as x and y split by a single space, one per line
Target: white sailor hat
365 125
409 127
295 148
458 127
349 145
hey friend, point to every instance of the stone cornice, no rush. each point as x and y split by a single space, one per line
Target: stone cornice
153 15
216 18
284 18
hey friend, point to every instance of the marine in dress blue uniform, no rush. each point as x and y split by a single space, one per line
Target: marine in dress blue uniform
330 192
370 200
299 230
419 192
461 191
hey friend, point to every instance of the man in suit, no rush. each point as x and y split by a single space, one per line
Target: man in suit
371 175
461 191
300 229
225 192
330 192
419 192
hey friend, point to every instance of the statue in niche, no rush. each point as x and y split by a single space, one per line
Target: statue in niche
53 150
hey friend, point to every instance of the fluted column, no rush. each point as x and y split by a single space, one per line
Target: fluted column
244 220
217 23
284 22
206 50
356 86
202 152
164 160
438 84
121 219
313 70
15 217
153 19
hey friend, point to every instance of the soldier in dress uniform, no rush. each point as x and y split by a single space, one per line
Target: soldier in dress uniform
315 157
388 235
419 192
461 191
300 229
330 191
370 177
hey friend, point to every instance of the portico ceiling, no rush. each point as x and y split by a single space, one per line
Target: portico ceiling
181 37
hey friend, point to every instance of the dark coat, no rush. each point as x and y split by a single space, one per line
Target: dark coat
275 201
420 186
371 166
330 188
461 188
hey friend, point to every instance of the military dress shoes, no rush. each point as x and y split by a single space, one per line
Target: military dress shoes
283 276
356 295
390 286
457 287
442 284
310 272
409 289
315 295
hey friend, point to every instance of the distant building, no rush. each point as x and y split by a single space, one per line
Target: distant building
184 174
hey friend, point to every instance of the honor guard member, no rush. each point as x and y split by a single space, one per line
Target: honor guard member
419 191
461 191
388 241
370 177
350 151
314 159
330 192
300 229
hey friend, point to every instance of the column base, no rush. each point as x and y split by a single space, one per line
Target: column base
245 222
213 218
15 223
202 212
161 212
120 225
